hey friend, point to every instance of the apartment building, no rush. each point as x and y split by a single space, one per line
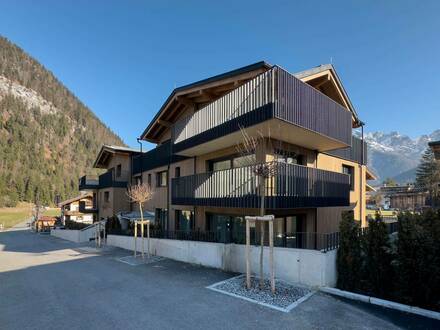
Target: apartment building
108 190
201 182
80 209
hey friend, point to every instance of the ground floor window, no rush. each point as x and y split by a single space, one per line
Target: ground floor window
184 220
289 231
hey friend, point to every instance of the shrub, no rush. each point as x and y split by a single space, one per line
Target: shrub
70 224
349 254
377 271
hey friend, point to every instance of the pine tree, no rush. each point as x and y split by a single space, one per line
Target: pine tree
428 174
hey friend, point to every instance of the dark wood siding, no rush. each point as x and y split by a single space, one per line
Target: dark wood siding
353 153
273 94
293 186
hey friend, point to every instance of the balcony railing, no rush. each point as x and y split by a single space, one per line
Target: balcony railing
275 94
353 153
87 207
292 186
88 182
111 179
159 156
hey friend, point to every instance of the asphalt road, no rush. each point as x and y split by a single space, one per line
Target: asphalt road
48 283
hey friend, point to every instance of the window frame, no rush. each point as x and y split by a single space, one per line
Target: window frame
350 172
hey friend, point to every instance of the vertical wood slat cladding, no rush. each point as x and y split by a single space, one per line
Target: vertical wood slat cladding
159 156
272 94
109 179
293 186
304 106
354 152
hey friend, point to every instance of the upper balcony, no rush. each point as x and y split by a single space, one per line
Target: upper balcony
274 103
356 153
292 186
112 179
87 207
88 182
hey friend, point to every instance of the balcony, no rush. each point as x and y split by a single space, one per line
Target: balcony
111 179
88 182
275 103
85 207
293 186
356 153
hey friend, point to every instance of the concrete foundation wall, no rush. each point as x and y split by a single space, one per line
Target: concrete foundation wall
309 267
77 236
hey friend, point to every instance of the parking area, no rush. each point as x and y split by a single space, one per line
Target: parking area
49 283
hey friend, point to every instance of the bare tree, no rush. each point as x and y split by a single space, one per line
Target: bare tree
263 171
140 194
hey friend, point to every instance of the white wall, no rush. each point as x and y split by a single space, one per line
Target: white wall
77 236
302 266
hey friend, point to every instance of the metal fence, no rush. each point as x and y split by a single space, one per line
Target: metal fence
298 240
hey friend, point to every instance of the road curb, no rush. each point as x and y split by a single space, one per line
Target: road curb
381 302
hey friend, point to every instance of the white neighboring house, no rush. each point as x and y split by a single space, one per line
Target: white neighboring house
79 209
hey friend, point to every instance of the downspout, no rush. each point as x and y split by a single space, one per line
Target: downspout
362 175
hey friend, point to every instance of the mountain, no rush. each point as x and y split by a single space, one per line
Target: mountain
48 138
393 155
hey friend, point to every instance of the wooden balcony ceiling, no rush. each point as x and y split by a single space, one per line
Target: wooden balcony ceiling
198 94
106 153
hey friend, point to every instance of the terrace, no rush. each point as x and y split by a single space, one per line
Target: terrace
276 103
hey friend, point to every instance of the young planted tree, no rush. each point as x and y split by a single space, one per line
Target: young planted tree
140 194
264 171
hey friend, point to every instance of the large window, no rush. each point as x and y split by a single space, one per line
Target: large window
288 157
184 220
231 162
162 178
346 169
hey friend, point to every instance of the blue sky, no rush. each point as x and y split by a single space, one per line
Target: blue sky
123 58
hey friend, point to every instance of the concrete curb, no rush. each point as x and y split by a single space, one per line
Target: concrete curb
382 302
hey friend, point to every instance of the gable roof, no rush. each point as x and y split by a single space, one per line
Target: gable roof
302 75
74 199
259 66
108 150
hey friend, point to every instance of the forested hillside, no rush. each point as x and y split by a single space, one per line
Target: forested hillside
48 138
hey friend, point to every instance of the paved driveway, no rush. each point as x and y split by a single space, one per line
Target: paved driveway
48 283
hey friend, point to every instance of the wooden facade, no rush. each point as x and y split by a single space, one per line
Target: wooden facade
310 117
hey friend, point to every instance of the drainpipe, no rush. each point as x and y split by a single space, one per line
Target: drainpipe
140 143
362 175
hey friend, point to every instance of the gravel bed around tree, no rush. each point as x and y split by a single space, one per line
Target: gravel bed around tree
285 298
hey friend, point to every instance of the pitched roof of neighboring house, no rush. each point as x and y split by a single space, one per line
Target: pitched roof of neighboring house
225 81
434 143
108 150
74 199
